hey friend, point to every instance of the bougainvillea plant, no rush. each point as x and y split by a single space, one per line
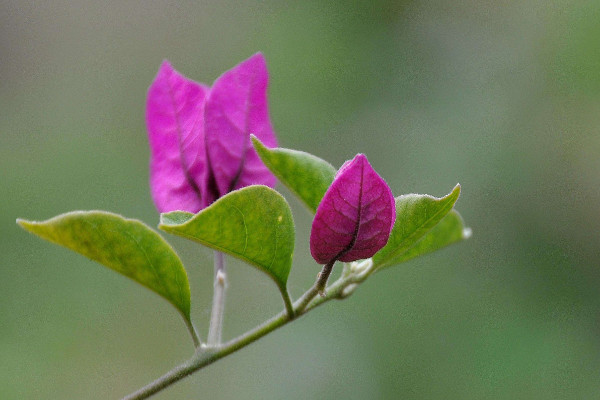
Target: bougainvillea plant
214 164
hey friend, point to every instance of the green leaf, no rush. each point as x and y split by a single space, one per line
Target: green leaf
449 230
253 224
124 245
416 215
307 176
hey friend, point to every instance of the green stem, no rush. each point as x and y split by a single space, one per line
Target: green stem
207 355
193 332
317 288
289 308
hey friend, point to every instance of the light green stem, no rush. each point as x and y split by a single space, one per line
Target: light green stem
317 288
287 301
193 332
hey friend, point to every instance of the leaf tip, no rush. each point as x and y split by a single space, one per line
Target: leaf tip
260 148
454 194
467 233
29 226
457 189
256 141
23 223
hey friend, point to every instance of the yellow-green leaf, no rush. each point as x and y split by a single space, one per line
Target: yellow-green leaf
307 176
124 245
416 215
254 224
449 230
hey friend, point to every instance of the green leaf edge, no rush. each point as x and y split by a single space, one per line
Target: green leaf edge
184 309
452 196
266 154
464 234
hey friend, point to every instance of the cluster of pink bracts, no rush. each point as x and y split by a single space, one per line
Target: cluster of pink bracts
201 150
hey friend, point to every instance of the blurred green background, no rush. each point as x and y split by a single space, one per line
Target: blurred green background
503 97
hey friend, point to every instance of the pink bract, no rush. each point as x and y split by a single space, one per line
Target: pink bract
236 107
174 119
355 217
200 137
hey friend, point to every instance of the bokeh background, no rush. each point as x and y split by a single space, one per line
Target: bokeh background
503 97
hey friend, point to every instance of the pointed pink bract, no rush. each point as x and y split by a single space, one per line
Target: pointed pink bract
235 108
355 217
178 156
200 137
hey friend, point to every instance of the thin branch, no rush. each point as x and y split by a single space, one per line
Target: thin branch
207 355
218 306
317 288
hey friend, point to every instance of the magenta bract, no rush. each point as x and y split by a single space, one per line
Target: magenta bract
355 217
236 107
174 118
200 137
